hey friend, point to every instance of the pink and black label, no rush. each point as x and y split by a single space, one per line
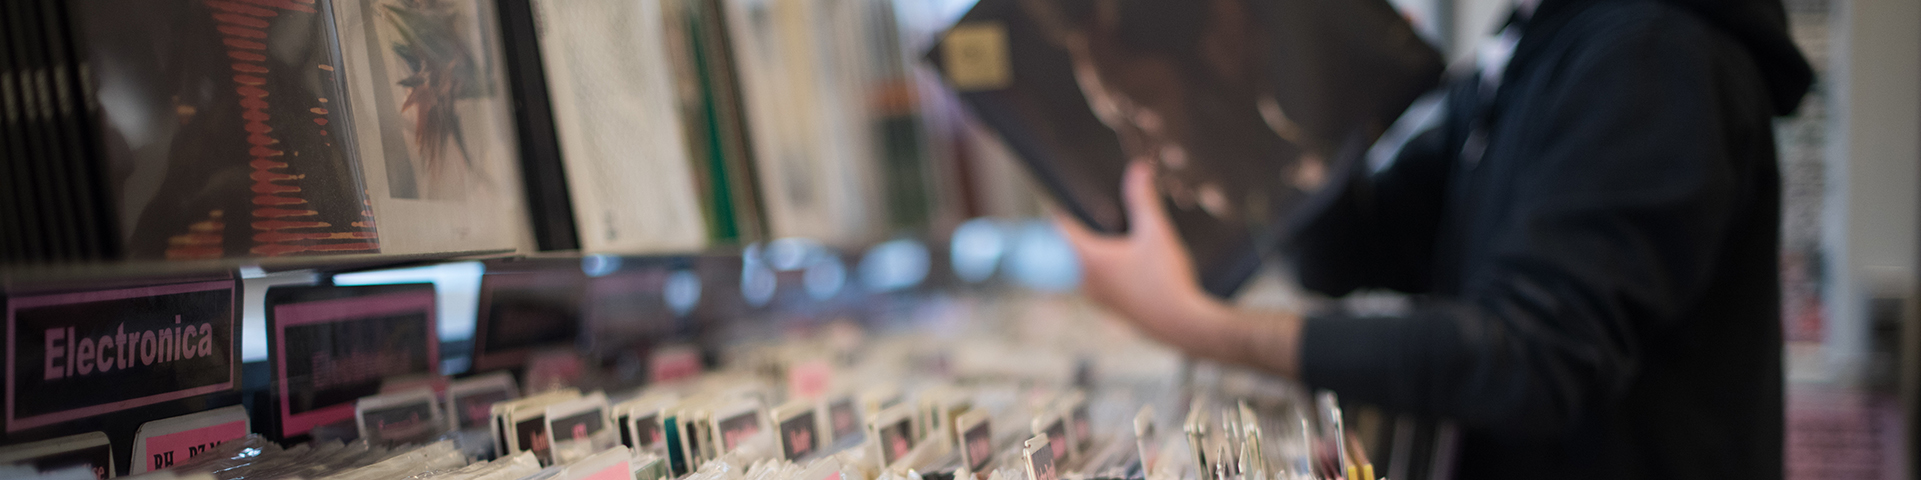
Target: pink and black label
472 410
578 427
166 450
77 355
329 353
798 436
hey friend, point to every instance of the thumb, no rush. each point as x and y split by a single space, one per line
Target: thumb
1145 213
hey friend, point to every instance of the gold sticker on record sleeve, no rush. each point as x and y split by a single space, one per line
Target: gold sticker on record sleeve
976 56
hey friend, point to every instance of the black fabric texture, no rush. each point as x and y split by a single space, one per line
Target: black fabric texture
1597 293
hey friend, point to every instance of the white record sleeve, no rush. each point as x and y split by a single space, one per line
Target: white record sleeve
801 72
471 400
433 125
626 158
409 416
582 425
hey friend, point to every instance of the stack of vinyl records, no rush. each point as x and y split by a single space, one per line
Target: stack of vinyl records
52 202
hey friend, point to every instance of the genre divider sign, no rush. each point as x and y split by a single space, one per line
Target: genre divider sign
78 355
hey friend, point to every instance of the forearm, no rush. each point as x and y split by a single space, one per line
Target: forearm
1265 340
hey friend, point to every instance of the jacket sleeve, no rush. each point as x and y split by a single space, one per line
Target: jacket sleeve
1610 233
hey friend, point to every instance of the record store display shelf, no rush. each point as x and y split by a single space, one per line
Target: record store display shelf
755 361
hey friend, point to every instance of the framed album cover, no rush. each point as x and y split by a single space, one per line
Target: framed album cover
427 90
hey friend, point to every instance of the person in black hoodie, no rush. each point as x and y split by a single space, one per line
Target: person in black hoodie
1590 236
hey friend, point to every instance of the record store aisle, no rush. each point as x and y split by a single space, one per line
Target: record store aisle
849 239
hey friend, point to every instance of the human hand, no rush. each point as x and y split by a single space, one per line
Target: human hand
1145 276
1148 278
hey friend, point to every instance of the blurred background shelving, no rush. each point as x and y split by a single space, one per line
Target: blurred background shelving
749 166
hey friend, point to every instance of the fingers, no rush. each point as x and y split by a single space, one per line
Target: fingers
1099 255
1145 214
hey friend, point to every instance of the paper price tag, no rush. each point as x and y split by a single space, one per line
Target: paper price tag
163 443
977 57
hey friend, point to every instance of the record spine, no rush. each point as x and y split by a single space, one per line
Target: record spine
14 201
548 204
77 108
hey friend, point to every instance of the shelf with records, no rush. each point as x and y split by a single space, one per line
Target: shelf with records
215 133
361 381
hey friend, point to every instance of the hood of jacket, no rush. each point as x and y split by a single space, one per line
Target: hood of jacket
1759 25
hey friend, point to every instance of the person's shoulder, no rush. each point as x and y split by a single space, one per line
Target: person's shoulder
1613 35
1645 25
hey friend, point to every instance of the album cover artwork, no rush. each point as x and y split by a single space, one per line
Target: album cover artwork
427 83
1246 109
223 128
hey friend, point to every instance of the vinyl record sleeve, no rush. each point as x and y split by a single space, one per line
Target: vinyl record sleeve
841 419
583 424
529 432
974 440
46 225
639 420
735 423
433 116
227 135
470 400
704 82
69 212
54 205
97 235
400 418
1039 458
17 201
548 205
801 93
506 441
727 110
1054 426
892 431
622 144
1247 109
797 429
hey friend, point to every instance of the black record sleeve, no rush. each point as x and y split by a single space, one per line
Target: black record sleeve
16 198
548 204
230 135
1247 110
30 62
76 170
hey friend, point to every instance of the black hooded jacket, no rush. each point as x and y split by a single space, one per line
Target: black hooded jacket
1597 291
